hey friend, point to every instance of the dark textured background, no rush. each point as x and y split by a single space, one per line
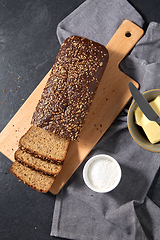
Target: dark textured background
28 48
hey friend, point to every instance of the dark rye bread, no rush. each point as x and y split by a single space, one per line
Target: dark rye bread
37 163
44 144
34 179
70 89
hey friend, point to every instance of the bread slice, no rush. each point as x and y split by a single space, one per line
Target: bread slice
37 163
34 179
44 144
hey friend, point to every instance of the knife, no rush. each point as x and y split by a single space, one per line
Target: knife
143 104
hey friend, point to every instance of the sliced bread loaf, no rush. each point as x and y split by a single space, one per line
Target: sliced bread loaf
37 163
44 144
35 179
70 89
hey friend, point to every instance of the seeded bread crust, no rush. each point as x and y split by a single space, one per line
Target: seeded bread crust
70 89
37 163
44 144
34 179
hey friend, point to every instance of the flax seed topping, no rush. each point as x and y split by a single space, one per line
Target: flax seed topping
70 89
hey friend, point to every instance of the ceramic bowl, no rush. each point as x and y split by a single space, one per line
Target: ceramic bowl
136 131
102 173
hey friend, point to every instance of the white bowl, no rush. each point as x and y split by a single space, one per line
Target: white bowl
102 173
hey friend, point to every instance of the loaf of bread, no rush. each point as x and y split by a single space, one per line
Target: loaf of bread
37 163
70 89
35 179
44 144
61 112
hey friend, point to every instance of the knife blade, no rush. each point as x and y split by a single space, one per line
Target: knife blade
143 104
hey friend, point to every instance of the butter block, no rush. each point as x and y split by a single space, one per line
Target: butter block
152 131
151 128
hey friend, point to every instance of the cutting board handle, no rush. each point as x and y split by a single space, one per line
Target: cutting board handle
123 40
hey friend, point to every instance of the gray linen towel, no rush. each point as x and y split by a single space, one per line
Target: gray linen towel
126 212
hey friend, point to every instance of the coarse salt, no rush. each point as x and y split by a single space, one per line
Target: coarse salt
103 173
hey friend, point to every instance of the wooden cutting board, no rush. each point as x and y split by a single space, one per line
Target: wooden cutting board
111 97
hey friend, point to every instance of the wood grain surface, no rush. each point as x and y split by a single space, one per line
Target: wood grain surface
111 97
